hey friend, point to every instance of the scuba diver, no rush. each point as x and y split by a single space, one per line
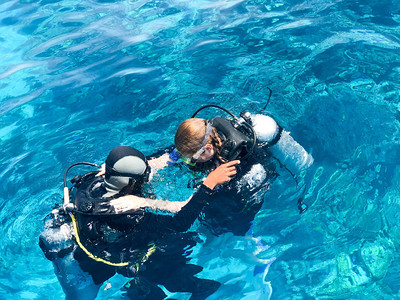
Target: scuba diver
89 240
254 141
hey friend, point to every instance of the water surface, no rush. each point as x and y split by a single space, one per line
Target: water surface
78 78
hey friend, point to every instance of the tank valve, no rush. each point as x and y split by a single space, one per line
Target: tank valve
245 115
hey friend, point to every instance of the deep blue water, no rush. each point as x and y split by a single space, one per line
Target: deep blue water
78 78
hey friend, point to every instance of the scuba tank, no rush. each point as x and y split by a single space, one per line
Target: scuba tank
282 145
56 240
58 237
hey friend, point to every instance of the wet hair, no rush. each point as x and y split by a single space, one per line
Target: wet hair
190 135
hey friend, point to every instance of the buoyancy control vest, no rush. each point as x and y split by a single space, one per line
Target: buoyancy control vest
103 235
236 143
91 203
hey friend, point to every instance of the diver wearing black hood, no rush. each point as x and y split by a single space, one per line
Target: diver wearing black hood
93 239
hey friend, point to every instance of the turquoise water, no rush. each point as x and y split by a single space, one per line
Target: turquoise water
78 78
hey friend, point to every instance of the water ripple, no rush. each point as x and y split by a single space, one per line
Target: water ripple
78 78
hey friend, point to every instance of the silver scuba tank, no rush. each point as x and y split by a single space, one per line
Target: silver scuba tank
284 147
57 237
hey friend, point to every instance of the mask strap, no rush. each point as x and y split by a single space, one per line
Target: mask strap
207 135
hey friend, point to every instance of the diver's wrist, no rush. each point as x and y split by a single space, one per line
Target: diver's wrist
210 185
207 190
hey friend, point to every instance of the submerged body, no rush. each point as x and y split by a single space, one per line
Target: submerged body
91 244
236 202
259 145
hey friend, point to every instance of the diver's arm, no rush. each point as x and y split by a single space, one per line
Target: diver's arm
130 203
183 219
160 162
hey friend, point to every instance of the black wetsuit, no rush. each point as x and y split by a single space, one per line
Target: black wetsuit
234 206
128 238
106 234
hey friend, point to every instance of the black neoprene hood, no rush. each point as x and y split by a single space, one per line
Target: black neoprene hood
117 154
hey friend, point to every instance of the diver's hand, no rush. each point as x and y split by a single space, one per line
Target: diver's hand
221 174
127 203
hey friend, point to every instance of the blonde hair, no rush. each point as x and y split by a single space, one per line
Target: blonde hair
190 135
